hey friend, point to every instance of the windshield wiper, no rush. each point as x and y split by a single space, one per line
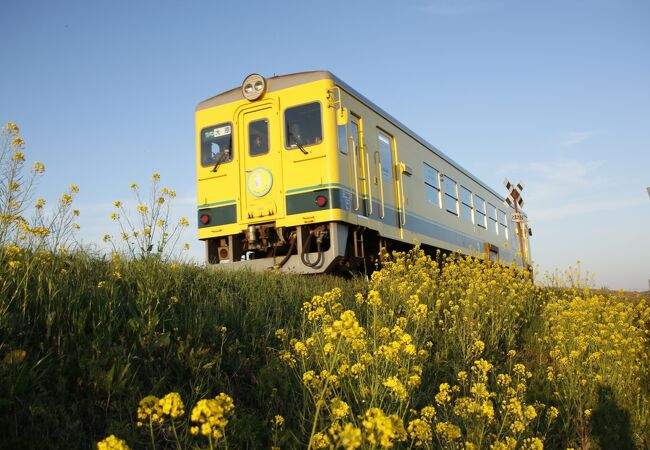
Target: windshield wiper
221 158
297 143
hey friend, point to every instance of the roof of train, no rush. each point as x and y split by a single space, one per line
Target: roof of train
284 81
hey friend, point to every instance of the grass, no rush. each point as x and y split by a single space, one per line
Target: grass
99 335
84 338
158 354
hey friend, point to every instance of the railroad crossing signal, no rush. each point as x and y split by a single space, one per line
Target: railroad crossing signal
514 199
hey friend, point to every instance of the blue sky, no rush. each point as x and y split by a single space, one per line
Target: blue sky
554 93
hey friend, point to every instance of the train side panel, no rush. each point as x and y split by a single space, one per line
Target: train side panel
409 190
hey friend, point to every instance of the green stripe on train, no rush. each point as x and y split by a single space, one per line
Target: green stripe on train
221 215
306 201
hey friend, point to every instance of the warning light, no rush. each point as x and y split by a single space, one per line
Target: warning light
321 200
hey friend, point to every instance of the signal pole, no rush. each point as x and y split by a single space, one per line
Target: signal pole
515 201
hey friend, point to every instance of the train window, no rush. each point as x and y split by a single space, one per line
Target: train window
302 125
492 216
431 185
466 210
258 137
216 144
451 194
385 154
479 207
343 138
503 224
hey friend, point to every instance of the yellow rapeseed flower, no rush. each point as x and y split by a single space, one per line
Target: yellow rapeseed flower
447 431
339 409
148 410
319 440
383 430
171 405
15 357
443 397
112 443
66 199
420 432
396 388
278 421
18 156
38 167
211 416
349 438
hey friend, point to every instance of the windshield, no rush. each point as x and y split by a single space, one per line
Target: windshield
216 145
303 125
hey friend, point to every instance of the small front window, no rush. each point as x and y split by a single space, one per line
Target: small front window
302 125
216 145
258 137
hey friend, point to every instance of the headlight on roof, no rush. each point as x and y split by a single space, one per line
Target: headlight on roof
253 87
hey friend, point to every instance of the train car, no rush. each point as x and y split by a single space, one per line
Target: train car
302 173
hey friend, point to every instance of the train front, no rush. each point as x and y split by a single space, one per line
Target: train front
264 175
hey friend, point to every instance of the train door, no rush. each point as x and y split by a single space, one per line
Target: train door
261 164
389 192
358 166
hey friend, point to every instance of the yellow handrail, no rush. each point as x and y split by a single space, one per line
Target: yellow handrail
381 184
356 177
401 190
367 168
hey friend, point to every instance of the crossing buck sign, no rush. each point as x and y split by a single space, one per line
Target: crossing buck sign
514 199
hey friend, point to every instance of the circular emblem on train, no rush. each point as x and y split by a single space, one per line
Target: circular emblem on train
259 182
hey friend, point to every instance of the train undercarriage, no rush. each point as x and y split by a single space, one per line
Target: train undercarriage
332 247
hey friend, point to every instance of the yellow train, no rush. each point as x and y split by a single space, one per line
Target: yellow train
302 173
